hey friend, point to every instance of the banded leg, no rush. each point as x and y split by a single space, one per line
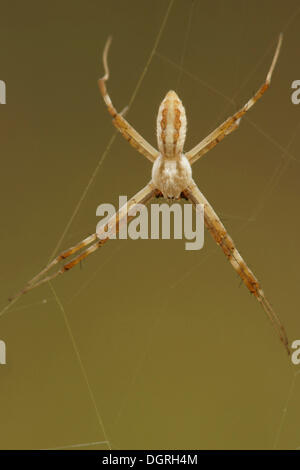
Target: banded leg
221 237
232 123
130 134
114 223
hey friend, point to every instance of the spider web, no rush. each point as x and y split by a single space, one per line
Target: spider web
276 174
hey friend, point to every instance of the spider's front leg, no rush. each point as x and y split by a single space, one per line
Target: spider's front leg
221 237
102 236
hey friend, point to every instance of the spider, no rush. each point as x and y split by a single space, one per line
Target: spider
171 179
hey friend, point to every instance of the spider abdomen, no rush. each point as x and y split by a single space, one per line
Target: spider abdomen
171 177
171 126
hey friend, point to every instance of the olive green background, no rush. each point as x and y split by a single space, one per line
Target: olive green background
164 343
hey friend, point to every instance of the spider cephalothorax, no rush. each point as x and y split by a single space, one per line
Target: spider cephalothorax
171 178
171 172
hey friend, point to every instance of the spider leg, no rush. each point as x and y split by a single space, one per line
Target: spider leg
128 132
184 196
232 123
113 225
221 237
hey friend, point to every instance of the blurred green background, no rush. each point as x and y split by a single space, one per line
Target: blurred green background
147 345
